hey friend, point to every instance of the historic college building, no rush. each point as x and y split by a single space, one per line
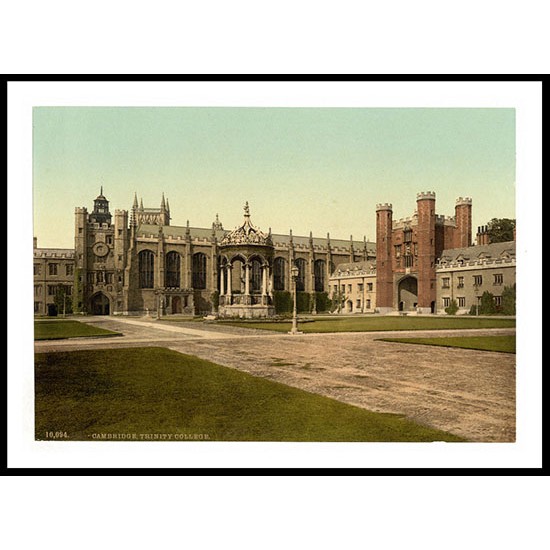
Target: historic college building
136 263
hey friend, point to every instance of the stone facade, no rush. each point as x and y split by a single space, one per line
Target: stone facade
464 274
353 288
136 263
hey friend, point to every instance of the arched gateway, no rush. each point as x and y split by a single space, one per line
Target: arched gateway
100 304
407 294
246 272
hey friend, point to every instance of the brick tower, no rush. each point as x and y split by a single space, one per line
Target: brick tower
425 205
384 271
463 219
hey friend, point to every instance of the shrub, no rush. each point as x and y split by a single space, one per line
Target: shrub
322 302
303 302
452 308
215 298
282 301
487 305
509 300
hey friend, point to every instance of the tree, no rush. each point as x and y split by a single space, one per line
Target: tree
62 300
452 308
509 300
501 230
487 305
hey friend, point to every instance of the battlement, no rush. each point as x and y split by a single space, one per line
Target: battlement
464 201
119 212
445 220
425 195
384 206
80 210
405 222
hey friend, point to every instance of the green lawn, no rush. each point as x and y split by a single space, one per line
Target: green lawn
506 344
55 330
159 391
379 323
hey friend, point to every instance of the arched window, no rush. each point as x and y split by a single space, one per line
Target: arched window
199 271
256 276
279 266
173 271
146 269
301 279
319 272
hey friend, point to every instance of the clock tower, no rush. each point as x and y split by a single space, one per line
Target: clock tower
101 212
100 256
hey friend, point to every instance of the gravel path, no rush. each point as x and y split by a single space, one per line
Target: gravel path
466 392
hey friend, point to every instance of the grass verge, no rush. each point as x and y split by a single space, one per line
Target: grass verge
504 344
57 330
382 323
136 391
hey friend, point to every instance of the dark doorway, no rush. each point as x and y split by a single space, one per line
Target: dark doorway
176 304
407 293
100 304
432 307
52 310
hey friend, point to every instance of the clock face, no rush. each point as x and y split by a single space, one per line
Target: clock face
100 249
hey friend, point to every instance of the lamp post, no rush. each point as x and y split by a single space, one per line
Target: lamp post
159 303
294 271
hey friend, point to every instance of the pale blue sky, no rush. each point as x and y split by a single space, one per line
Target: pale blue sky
314 169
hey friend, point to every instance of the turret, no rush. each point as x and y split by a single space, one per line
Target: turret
384 273
101 212
463 217
425 205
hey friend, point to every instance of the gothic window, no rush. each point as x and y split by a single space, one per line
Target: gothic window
52 269
301 278
279 274
109 277
90 277
407 236
199 271
69 269
146 269
173 261
37 269
256 276
478 280
498 279
319 268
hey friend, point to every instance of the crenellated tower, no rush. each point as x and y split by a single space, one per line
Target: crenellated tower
463 220
425 205
384 272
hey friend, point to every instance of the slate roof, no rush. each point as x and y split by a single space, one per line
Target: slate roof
204 233
473 253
